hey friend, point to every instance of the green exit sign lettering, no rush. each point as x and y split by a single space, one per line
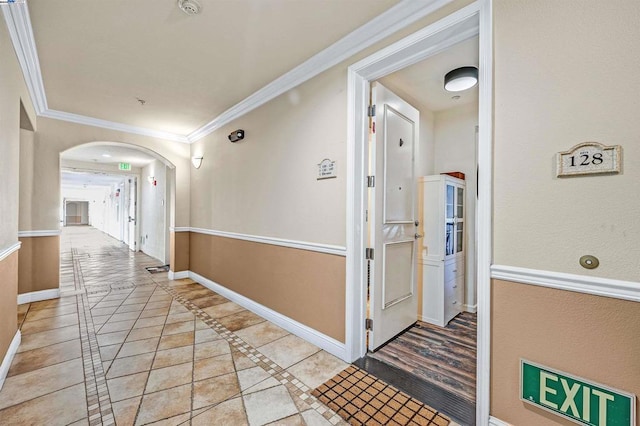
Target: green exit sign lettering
576 399
124 166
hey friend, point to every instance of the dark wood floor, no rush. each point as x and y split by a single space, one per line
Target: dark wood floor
442 356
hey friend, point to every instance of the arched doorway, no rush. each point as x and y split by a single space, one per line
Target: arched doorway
129 191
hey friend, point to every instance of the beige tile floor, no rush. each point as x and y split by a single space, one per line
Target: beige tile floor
128 347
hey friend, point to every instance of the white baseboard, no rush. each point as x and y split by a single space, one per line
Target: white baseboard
178 275
323 341
37 296
8 358
470 308
497 422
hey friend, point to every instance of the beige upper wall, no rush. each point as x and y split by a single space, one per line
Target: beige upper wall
25 196
54 137
266 184
12 90
561 79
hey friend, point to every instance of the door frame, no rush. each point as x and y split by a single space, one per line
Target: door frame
470 21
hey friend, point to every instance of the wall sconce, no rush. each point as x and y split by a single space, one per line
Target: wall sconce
461 79
197 161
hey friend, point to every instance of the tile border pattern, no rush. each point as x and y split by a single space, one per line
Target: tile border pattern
100 411
294 386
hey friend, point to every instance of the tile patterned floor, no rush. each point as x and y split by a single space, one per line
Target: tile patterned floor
123 346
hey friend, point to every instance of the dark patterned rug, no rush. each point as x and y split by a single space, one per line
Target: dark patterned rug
157 269
362 399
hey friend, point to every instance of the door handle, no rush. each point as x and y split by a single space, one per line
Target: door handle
416 236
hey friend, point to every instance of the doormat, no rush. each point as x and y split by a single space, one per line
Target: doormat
157 269
363 399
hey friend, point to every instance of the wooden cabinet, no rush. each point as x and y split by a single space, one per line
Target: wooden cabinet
442 252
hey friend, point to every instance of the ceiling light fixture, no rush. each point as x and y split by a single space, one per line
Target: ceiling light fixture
197 161
461 79
106 155
190 7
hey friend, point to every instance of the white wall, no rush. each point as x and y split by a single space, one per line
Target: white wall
455 151
425 152
103 207
153 209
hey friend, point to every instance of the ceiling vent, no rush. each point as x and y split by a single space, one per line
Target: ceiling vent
190 7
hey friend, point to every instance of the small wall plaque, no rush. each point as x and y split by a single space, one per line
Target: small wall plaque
589 158
327 169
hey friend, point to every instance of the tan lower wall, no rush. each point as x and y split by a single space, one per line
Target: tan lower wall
179 256
597 338
8 301
306 286
39 265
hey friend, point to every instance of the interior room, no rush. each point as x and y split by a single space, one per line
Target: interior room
440 349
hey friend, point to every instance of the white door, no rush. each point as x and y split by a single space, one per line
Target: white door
393 304
131 213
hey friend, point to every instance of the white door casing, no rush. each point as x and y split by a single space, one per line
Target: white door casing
393 296
470 21
132 216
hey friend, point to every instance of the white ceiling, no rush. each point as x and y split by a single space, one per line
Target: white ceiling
98 57
73 179
423 82
108 154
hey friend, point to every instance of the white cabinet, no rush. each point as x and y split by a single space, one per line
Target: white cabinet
442 251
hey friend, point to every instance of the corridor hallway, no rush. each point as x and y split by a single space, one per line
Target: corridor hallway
123 346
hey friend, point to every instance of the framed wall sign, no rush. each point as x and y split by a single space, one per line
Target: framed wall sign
327 169
589 158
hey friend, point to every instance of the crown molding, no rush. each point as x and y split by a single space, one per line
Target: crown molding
112 125
16 15
397 17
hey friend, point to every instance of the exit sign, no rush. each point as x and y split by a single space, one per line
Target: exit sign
576 399
124 166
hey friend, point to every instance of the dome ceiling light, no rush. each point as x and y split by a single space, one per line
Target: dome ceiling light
461 79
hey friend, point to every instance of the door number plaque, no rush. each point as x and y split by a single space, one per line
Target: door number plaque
589 158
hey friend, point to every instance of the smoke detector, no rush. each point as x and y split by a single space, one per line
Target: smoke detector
190 7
